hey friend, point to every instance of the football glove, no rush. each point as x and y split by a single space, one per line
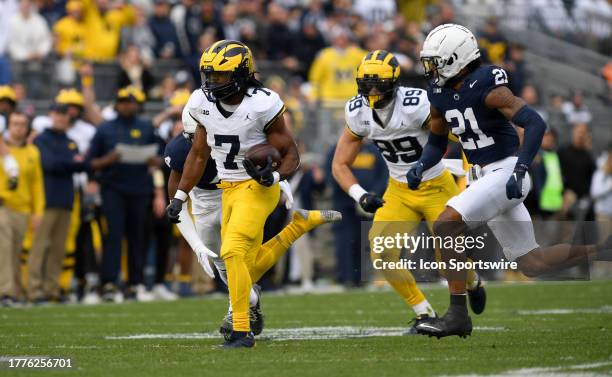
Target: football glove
371 202
263 176
415 175
173 209
514 186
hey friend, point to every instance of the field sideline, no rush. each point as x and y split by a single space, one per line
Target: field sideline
544 329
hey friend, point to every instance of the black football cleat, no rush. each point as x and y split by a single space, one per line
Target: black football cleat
416 321
239 340
256 316
454 322
227 325
478 298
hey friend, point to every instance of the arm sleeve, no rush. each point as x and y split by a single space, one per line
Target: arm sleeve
534 127
38 185
434 150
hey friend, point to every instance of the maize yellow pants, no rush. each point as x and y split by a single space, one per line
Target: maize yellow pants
245 208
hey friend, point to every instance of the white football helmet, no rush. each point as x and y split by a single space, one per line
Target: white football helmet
446 51
189 124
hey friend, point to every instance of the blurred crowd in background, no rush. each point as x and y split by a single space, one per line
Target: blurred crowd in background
79 76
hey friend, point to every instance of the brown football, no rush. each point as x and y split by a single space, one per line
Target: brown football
258 155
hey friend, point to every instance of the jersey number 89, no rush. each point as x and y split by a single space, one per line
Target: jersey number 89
406 149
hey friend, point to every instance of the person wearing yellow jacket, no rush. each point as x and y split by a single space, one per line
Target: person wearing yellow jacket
332 74
104 20
24 204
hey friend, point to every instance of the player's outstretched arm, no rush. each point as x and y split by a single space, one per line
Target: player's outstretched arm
519 113
433 151
281 138
192 173
347 150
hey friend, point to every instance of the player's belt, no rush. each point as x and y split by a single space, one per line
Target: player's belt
474 173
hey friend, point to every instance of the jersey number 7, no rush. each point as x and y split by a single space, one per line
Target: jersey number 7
234 141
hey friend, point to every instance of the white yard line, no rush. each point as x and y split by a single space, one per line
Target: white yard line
601 310
298 333
578 370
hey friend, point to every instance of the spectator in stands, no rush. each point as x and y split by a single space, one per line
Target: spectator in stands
24 204
69 32
601 188
371 171
606 74
30 39
547 178
7 9
104 20
530 95
516 68
415 10
51 10
8 104
279 40
556 117
376 11
60 159
167 45
492 42
553 17
575 110
230 22
310 42
139 35
134 71
126 189
332 74
577 167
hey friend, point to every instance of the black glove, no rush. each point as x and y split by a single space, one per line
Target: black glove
514 186
371 202
173 210
264 175
415 175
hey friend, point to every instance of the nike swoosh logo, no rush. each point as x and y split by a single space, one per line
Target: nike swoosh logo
496 169
474 83
424 325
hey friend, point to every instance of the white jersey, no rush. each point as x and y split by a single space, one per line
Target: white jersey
229 138
400 138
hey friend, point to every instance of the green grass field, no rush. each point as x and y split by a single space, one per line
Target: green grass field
569 334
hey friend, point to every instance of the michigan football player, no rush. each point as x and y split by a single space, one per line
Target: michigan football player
396 120
235 112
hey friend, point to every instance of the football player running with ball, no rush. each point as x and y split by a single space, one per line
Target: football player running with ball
473 102
396 119
234 112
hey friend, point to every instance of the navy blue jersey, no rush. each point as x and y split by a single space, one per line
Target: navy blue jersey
175 155
485 134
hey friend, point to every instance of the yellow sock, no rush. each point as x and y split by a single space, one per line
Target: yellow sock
239 286
404 284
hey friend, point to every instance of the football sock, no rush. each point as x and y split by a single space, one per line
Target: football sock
253 298
404 284
424 307
239 288
458 301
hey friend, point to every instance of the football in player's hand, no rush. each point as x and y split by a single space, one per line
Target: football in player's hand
258 155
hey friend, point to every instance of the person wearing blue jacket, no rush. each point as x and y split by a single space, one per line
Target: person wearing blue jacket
60 160
126 190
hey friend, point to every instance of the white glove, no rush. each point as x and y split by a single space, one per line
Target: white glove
188 230
286 188
203 253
